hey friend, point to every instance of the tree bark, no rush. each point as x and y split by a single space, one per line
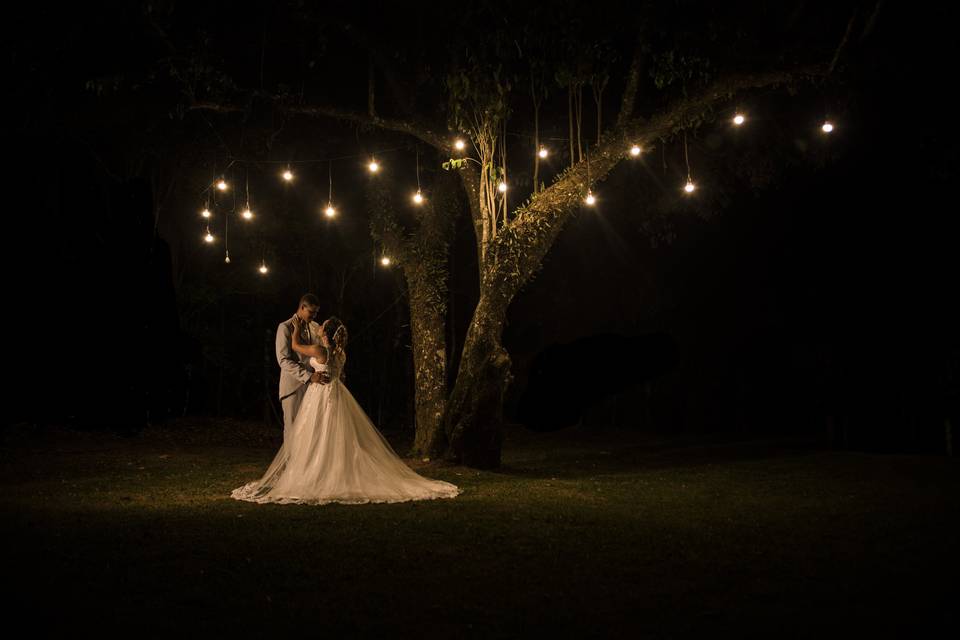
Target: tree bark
428 331
474 418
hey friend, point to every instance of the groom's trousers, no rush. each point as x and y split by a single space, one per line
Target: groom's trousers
291 404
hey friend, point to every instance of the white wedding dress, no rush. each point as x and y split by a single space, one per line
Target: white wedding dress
334 453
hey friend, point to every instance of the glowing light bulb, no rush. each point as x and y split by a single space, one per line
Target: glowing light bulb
689 187
227 259
502 187
543 153
288 175
738 119
263 267
827 127
373 166
634 151
330 211
205 213
247 214
418 198
460 145
208 237
385 261
590 199
222 185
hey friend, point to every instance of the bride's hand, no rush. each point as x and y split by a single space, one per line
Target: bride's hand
297 323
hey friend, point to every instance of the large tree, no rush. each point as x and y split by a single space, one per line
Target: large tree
678 65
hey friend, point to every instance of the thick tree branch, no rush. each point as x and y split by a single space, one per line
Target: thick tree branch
424 132
521 247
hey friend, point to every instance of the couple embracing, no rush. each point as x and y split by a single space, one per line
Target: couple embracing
331 451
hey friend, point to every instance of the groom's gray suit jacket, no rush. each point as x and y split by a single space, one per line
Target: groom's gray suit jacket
295 369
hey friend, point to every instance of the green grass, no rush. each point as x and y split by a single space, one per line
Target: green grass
578 534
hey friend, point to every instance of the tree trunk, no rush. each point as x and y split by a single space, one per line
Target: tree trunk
428 332
474 419
423 252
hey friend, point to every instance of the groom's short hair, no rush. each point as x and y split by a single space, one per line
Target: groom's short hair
310 299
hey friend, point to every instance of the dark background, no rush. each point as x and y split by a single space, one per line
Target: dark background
810 277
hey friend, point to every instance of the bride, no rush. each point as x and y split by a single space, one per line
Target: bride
333 452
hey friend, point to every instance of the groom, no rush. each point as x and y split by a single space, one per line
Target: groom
295 369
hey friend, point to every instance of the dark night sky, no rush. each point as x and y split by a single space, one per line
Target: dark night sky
853 262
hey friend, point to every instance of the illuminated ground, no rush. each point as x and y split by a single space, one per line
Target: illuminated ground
579 534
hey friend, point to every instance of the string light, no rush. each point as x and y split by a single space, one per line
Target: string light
589 199
226 227
689 187
247 213
330 211
418 197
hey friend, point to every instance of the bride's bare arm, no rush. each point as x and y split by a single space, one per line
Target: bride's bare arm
315 350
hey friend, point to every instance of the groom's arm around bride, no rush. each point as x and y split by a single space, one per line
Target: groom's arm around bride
298 372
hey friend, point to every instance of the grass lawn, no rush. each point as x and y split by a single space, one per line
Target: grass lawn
580 533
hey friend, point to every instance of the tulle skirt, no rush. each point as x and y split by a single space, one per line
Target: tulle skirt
333 453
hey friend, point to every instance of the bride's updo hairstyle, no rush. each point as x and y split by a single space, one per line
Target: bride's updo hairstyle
336 333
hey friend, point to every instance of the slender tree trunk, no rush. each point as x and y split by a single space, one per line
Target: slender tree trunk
599 116
598 100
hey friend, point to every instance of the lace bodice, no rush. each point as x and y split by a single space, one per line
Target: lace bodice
333 366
